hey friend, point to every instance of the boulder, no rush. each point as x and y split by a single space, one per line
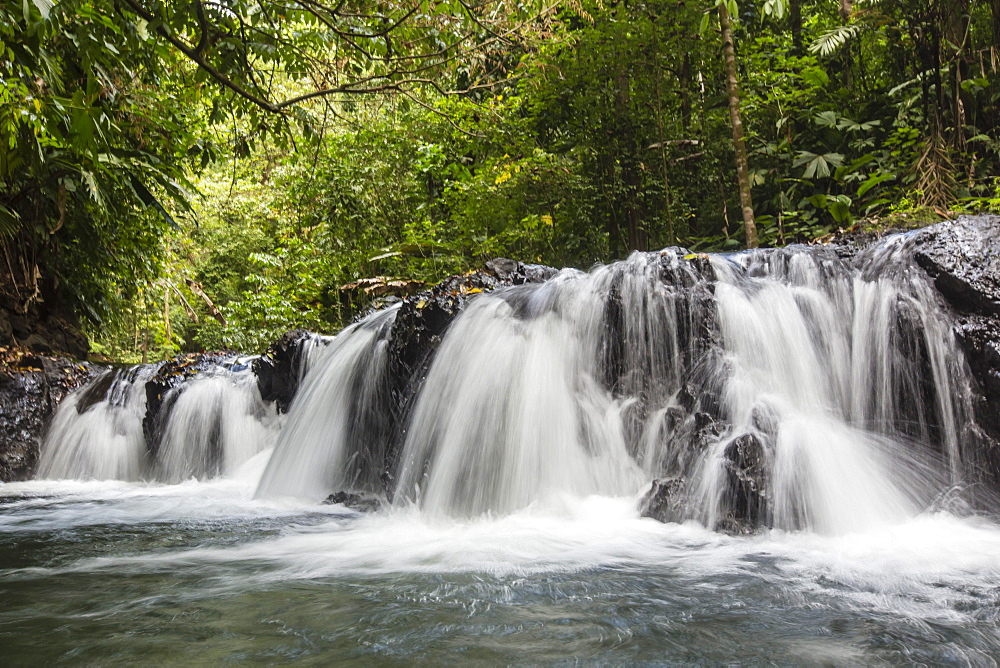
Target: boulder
31 386
744 508
665 500
361 502
962 257
279 370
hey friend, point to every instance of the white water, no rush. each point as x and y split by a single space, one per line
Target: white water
512 473
217 422
843 382
104 442
313 454
206 558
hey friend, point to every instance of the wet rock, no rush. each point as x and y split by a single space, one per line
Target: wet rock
747 482
170 375
31 386
364 503
279 370
95 392
423 318
664 501
613 340
963 259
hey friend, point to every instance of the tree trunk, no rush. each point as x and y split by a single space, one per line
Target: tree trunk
631 174
795 21
846 7
739 144
995 6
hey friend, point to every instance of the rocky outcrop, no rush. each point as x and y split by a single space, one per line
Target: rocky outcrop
665 500
745 505
42 327
279 370
31 386
963 258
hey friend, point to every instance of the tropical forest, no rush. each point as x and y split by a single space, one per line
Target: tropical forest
500 332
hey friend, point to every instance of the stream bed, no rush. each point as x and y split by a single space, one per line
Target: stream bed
201 573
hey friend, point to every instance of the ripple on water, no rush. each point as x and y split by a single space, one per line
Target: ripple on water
150 574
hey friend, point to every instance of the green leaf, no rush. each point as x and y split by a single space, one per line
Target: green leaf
149 200
775 8
826 119
873 181
44 7
9 222
703 25
815 76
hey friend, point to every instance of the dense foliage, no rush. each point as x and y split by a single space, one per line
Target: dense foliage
399 142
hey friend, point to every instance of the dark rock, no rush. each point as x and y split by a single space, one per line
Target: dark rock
747 482
664 501
31 386
963 259
172 375
510 272
43 331
279 370
613 340
361 502
95 392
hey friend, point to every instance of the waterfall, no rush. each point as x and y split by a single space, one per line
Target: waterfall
97 432
787 388
322 449
207 426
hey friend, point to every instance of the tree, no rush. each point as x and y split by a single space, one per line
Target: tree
739 143
96 134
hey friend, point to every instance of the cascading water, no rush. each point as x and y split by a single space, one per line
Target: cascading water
324 447
806 421
784 388
208 426
97 432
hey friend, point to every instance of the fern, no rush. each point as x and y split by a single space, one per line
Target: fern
832 40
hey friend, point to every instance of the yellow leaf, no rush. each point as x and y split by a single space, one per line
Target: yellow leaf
422 303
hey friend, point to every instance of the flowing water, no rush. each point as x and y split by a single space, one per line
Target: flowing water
815 411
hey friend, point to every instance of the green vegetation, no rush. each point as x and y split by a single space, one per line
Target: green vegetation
192 175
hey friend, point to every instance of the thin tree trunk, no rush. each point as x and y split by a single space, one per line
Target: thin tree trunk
846 7
166 313
739 144
795 21
995 7
631 176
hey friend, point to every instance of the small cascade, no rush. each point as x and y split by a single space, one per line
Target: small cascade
325 446
205 424
97 432
506 418
787 388
217 421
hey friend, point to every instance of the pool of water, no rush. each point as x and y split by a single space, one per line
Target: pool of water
200 573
